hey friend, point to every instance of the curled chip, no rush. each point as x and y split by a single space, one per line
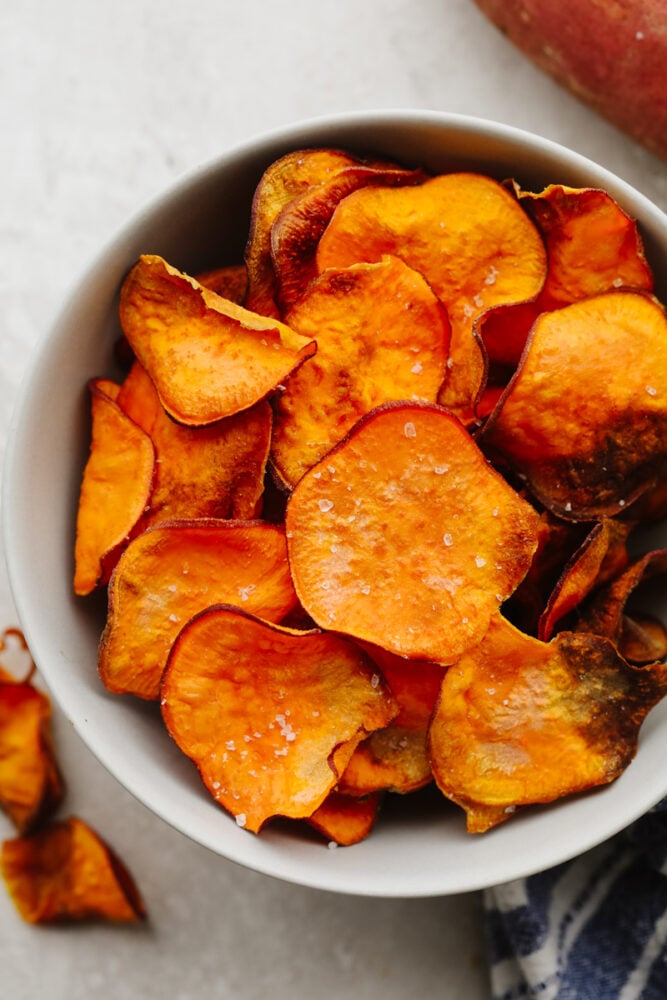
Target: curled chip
601 557
469 238
31 786
520 721
592 246
404 536
395 758
208 357
66 872
178 568
269 715
607 612
381 335
346 819
297 230
229 281
584 418
282 181
212 471
115 490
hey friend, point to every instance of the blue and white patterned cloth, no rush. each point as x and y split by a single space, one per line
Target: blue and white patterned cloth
594 928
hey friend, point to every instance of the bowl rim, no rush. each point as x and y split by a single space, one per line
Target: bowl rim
270 855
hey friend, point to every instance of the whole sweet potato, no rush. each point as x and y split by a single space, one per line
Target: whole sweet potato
612 54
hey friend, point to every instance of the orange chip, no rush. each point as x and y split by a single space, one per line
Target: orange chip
381 335
643 640
115 490
602 556
176 569
346 819
520 721
584 418
282 181
262 710
298 228
31 786
212 471
404 536
469 238
230 281
208 357
395 758
65 873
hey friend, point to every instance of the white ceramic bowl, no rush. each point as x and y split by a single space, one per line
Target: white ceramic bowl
416 849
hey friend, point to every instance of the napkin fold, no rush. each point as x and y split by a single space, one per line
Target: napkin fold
594 928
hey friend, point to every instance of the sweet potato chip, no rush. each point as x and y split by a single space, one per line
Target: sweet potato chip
297 230
395 758
262 709
208 357
282 181
381 335
466 234
345 819
213 471
584 419
404 536
643 640
229 281
66 872
520 721
592 247
31 785
176 569
602 556
115 490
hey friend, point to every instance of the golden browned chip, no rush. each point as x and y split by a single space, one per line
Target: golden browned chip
520 721
208 357
470 239
115 490
602 556
346 819
395 758
262 711
584 419
607 611
381 335
212 471
643 639
66 872
229 281
296 232
31 785
283 180
174 570
404 536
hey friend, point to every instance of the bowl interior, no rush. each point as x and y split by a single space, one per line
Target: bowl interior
419 846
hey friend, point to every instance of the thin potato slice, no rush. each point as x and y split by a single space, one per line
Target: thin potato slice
381 335
470 239
283 180
584 419
602 556
31 785
346 819
116 487
520 721
297 230
404 536
176 569
213 471
262 710
66 872
395 758
208 357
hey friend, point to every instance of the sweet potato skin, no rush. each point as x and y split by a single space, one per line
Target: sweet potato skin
612 56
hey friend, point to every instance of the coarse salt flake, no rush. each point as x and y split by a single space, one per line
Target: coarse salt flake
241 819
447 539
325 505
410 430
480 561
417 368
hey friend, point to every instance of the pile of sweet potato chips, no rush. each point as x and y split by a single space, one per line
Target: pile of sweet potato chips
366 501
54 869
